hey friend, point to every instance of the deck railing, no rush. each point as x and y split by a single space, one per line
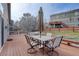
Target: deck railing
16 32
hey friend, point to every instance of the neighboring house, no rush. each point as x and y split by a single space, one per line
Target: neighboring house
4 22
65 19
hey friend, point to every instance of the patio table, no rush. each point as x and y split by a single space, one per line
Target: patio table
43 39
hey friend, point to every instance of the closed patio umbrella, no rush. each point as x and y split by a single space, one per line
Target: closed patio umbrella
40 20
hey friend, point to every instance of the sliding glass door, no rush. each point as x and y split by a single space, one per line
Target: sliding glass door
2 41
1 31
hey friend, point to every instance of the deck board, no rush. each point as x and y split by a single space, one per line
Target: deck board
18 47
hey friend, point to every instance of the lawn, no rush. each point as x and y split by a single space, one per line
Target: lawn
67 34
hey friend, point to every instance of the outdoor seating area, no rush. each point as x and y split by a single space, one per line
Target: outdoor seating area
47 40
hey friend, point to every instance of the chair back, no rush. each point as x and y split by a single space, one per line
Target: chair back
57 41
28 39
34 33
49 34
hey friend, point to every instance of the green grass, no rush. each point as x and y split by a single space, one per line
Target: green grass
70 34
71 38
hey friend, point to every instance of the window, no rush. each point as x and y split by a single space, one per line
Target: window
1 9
70 20
78 19
76 13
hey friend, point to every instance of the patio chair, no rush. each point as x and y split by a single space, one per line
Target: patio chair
34 33
54 44
49 34
32 44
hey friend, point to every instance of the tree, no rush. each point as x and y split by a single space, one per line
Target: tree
28 23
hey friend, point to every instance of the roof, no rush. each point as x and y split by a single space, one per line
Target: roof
65 12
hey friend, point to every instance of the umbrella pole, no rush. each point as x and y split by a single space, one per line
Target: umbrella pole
40 33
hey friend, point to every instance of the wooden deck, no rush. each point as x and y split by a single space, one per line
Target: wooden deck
18 47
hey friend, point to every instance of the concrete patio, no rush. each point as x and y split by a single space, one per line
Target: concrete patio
18 47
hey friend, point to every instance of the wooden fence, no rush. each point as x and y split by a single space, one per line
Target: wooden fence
74 29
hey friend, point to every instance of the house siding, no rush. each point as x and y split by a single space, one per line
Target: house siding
5 19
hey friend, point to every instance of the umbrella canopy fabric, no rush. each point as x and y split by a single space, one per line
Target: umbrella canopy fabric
40 20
